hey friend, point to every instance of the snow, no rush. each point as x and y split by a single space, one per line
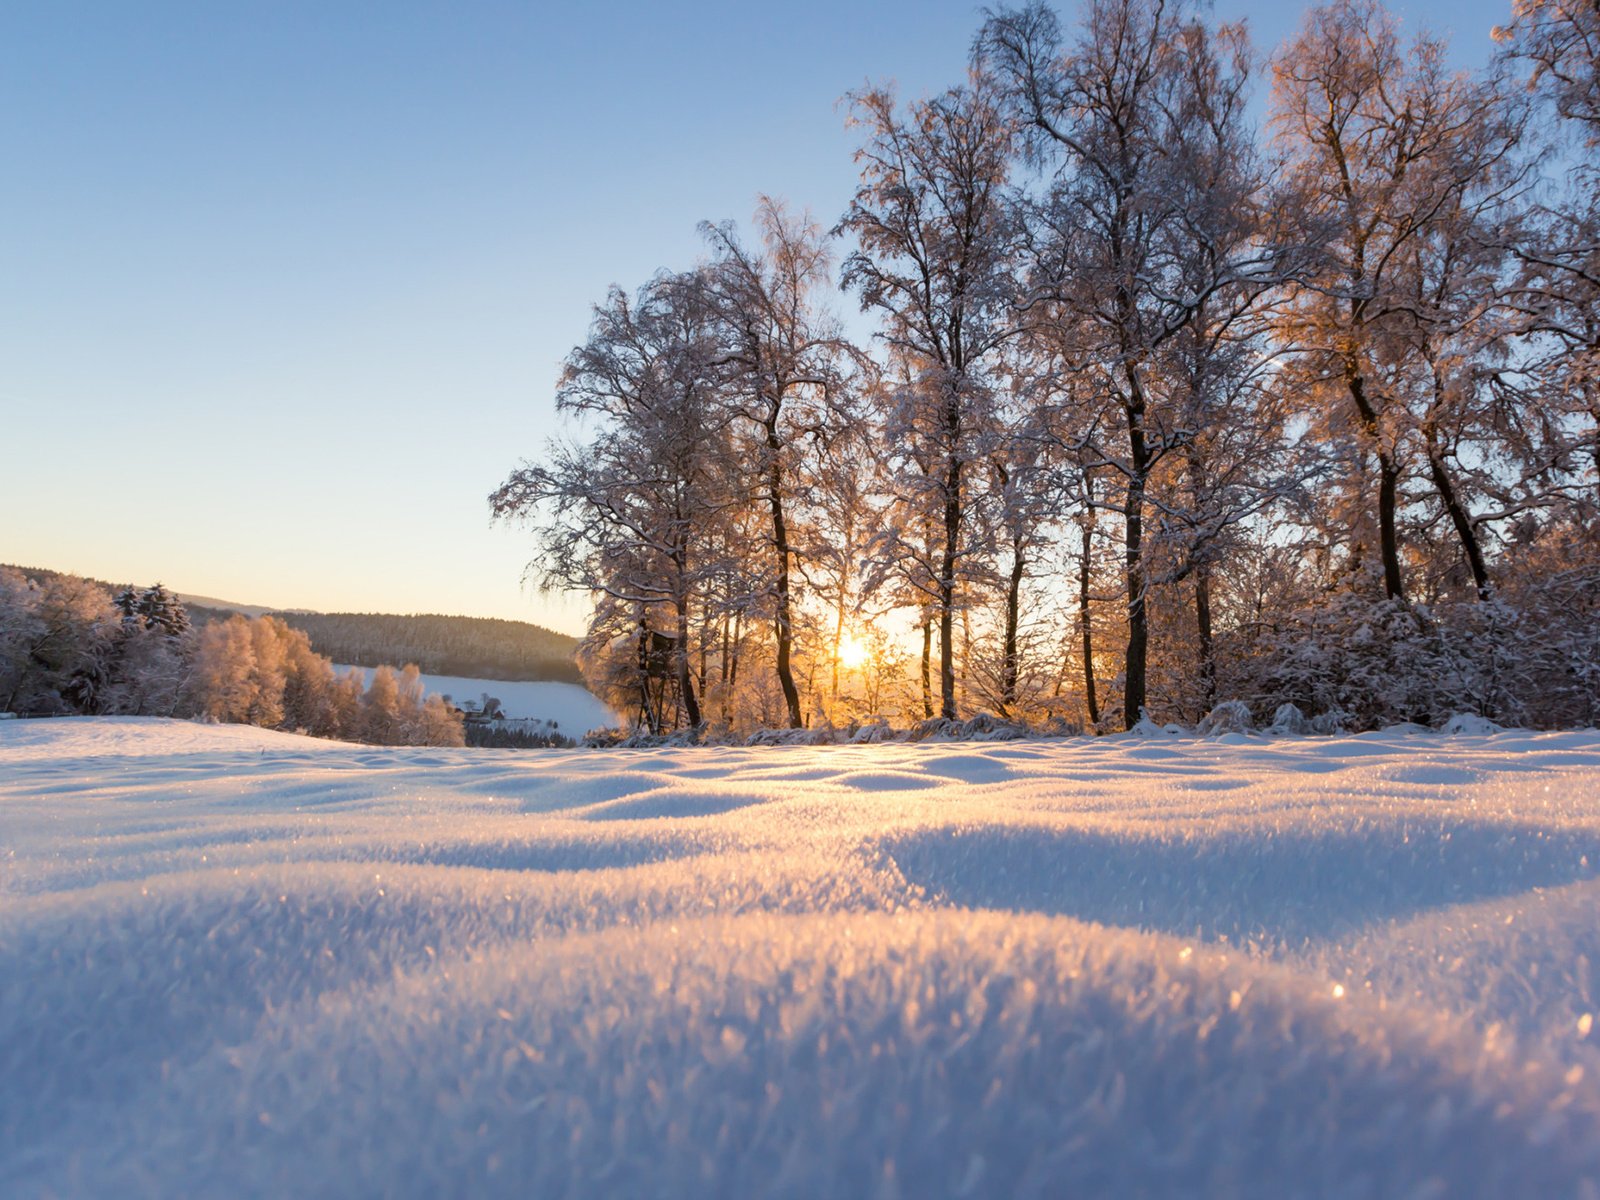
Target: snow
574 709
243 963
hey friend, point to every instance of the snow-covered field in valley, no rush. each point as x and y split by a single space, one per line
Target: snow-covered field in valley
574 710
242 963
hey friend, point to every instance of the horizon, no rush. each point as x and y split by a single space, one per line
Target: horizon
294 285
194 599
1084 674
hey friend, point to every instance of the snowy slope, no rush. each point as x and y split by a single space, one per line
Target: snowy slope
574 709
235 962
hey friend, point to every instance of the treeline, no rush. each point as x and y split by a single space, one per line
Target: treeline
475 647
1163 411
503 737
68 647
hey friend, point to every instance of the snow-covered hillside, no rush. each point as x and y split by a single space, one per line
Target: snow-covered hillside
243 963
574 710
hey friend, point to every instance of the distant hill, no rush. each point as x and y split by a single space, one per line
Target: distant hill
44 575
200 608
212 604
475 647
479 647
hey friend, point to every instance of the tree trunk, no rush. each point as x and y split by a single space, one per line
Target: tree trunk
1134 408
780 540
838 639
649 712
1010 668
1388 480
704 674
1388 539
1085 566
1202 613
691 706
727 691
1459 519
1596 456
846 546
947 583
927 689
947 658
1137 658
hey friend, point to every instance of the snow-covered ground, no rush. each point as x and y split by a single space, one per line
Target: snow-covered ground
241 963
574 710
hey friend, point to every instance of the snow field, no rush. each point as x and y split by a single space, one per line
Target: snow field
235 962
575 710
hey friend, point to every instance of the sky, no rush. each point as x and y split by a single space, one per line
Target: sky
285 286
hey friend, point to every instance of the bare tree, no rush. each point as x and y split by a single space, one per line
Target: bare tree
628 515
845 513
1384 144
1457 343
1146 220
783 377
1559 41
1557 290
933 228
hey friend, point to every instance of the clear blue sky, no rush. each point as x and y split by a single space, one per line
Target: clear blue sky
285 286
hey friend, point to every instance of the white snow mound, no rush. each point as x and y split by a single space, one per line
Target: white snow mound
236 963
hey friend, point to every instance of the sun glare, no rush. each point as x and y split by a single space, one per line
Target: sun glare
853 651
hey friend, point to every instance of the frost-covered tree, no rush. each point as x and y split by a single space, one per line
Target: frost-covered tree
56 641
631 513
149 656
1384 143
259 671
225 682
1020 513
1555 47
1454 347
935 237
381 722
1316 418
845 506
149 673
311 700
153 608
1148 219
1559 43
782 378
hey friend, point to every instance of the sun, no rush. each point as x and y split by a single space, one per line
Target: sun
853 652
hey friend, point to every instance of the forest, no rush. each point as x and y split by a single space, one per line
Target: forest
1163 409
70 646
475 647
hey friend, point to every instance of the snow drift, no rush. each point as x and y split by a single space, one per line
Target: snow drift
235 962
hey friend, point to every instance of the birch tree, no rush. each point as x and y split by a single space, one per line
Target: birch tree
1555 45
1383 143
933 229
782 362
628 514
1145 220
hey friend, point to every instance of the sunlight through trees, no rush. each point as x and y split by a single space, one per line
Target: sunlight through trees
1162 410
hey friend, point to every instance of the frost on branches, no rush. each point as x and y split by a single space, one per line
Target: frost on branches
68 647
1161 409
